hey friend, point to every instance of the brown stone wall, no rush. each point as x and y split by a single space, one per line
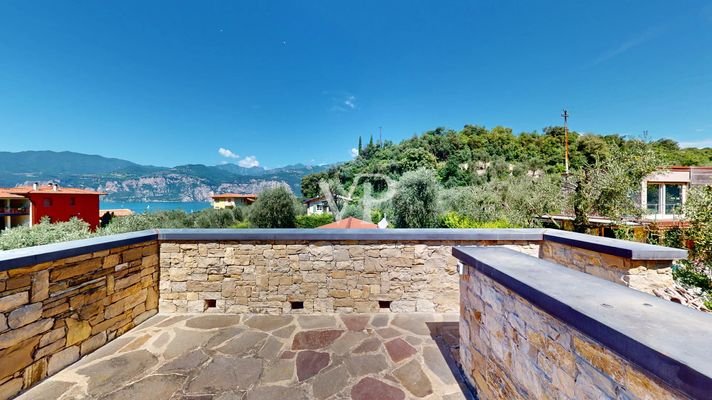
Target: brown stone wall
52 314
640 275
345 276
511 349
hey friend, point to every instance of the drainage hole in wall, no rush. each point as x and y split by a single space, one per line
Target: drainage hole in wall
606 305
384 304
211 303
297 305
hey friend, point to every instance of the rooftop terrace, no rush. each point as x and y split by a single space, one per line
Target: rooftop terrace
372 314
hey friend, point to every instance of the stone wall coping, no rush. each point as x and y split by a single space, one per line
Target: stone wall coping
386 235
22 257
666 339
638 251
617 247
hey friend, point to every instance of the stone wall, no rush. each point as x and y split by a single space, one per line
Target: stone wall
326 276
643 275
511 349
53 313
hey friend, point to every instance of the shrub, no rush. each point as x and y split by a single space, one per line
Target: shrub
44 233
274 208
457 221
314 220
415 201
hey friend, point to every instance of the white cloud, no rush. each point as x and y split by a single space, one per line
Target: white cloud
350 102
630 43
354 152
698 144
227 153
249 162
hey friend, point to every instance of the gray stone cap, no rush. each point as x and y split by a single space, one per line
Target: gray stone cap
386 235
668 340
17 258
617 247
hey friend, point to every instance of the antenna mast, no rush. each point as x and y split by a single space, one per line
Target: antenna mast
565 115
380 136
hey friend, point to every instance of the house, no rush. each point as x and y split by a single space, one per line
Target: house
14 210
232 200
56 203
349 223
317 205
663 193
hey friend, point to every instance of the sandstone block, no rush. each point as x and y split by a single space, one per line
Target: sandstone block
77 331
13 337
25 315
35 373
10 388
62 359
93 343
17 357
40 286
13 301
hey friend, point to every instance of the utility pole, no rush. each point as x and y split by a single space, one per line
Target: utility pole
565 115
380 136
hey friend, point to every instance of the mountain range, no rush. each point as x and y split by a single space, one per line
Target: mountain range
124 180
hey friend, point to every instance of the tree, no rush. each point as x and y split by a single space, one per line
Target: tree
310 184
607 187
415 202
359 145
416 158
274 208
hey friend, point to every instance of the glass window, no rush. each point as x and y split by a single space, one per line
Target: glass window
673 198
653 198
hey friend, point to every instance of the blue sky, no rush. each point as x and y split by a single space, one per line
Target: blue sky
281 82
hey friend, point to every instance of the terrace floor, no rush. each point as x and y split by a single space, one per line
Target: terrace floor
216 356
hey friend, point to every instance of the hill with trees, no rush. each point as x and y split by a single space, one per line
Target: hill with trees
493 176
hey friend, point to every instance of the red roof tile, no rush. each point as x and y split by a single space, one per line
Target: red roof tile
350 223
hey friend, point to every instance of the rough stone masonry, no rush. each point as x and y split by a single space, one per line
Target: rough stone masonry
53 313
322 277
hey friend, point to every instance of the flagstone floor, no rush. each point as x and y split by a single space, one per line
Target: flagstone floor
247 357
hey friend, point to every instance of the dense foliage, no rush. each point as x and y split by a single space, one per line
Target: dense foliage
415 202
495 175
275 208
697 270
314 220
44 233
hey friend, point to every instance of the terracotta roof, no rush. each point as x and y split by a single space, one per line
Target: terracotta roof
234 195
22 190
4 194
118 212
350 223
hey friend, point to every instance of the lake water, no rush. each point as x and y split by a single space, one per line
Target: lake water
140 207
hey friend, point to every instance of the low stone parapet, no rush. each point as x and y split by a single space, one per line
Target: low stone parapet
56 311
311 272
639 266
530 328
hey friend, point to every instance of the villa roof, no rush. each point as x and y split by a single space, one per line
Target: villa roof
118 212
234 196
23 190
4 194
350 223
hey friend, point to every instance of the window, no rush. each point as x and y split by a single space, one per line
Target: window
319 207
673 198
47 202
653 198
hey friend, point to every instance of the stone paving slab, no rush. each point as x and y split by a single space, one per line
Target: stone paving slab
262 357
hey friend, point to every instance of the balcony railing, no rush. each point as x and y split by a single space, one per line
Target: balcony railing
14 211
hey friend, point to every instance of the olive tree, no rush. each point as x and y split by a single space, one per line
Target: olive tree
415 202
274 208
